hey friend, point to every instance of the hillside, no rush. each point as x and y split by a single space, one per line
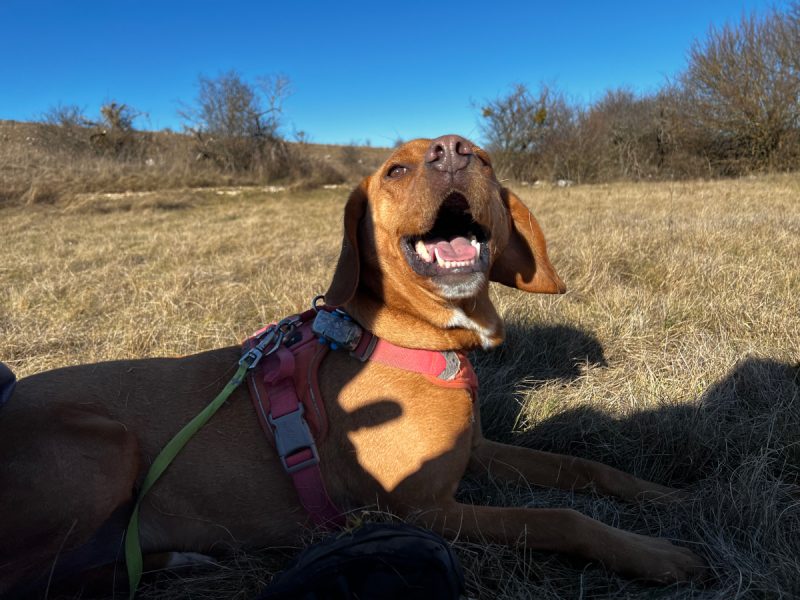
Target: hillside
46 163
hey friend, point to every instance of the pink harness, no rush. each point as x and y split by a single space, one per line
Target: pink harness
284 389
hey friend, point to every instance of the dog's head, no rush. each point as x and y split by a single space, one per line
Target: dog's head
426 232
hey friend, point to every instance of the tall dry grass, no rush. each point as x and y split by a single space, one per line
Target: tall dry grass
673 356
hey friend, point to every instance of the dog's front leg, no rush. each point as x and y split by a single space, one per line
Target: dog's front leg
568 531
535 467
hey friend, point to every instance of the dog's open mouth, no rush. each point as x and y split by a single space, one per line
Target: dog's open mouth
456 244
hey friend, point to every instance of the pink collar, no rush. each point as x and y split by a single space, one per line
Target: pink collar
443 368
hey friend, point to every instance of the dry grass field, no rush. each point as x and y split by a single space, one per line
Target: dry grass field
674 355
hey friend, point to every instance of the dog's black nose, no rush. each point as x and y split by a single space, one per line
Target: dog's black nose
449 153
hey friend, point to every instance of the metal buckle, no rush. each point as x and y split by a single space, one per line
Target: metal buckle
292 435
315 303
251 357
273 335
452 365
257 352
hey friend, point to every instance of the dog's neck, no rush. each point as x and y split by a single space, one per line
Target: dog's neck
428 322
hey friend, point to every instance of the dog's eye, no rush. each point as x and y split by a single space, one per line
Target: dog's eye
396 171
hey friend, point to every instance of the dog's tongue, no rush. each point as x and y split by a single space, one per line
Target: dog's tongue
457 249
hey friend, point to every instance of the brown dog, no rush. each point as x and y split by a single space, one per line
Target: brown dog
75 442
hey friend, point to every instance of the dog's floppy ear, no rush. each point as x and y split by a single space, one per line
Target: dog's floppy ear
524 263
345 278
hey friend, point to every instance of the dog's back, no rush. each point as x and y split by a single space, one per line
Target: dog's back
70 459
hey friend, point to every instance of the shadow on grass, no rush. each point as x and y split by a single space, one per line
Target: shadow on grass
531 357
754 411
735 449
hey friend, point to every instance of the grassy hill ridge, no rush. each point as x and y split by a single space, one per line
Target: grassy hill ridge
49 163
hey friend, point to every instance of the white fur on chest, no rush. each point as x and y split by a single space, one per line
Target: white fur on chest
460 319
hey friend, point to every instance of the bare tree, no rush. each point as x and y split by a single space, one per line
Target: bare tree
787 39
237 123
735 109
743 93
229 106
629 133
528 132
301 137
508 121
274 89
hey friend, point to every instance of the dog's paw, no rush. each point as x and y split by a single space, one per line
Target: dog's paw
657 560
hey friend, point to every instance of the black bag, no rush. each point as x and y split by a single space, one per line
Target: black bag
7 384
378 561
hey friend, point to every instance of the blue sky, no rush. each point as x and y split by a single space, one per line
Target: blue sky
359 70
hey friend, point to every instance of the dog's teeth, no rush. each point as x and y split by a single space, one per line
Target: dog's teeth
439 260
423 251
451 264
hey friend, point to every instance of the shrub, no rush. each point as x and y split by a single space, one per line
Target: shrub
742 88
734 110
237 124
528 133
66 128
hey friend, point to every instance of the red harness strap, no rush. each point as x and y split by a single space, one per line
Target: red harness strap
285 393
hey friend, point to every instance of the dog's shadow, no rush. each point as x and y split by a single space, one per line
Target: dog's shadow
531 357
751 412
753 409
733 449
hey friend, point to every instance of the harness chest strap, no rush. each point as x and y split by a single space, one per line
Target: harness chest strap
292 436
286 398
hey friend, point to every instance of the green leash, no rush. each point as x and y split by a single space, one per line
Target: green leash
133 551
